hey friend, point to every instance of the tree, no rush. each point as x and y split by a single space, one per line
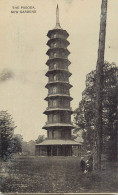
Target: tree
99 83
85 118
28 148
31 145
6 134
17 143
40 139
25 148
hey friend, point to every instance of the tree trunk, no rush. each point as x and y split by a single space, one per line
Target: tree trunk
99 81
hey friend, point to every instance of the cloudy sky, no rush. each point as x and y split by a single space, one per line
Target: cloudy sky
23 54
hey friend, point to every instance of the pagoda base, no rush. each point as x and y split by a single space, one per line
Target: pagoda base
58 148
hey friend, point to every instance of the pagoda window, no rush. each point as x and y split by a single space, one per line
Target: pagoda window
51 45
54 118
51 90
63 90
55 77
53 133
64 77
62 134
50 103
67 103
55 54
50 118
54 103
55 35
60 76
54 90
66 67
62 53
61 102
51 55
55 44
62 117
51 66
51 36
66 91
60 36
67 118
55 66
58 66
51 77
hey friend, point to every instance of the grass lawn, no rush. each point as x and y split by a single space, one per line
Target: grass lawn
55 175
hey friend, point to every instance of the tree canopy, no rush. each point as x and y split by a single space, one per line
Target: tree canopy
85 115
17 142
7 127
40 139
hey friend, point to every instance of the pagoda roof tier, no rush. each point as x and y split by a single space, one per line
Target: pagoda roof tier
60 31
54 125
55 49
53 40
49 142
58 109
58 70
52 96
62 60
59 82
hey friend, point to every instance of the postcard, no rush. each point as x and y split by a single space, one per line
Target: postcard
58 96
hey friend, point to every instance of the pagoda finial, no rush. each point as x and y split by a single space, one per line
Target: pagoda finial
57 18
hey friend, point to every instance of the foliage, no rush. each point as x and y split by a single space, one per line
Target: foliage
6 134
17 141
85 115
28 148
40 139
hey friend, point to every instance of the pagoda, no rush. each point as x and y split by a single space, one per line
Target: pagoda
58 125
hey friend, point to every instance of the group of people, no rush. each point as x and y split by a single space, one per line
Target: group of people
86 166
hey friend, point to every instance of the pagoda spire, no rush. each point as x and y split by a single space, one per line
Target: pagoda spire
57 18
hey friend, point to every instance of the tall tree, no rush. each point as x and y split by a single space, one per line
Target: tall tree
99 78
85 118
6 134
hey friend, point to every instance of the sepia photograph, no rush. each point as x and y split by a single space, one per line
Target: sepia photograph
58 96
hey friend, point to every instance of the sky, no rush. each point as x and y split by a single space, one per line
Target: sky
23 54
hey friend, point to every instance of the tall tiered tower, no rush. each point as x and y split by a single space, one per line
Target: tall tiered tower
58 112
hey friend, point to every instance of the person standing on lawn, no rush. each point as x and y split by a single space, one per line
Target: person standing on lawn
90 162
82 164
